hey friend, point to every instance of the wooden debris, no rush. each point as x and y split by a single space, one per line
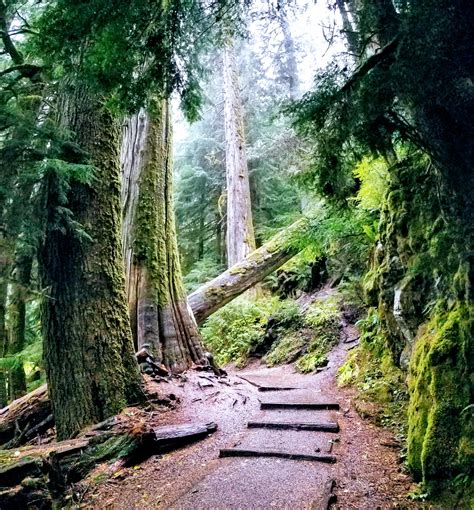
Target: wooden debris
267 387
174 436
353 346
390 444
54 467
300 405
328 497
321 427
25 418
239 452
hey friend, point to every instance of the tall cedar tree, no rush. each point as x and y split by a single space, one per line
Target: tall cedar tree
240 231
158 307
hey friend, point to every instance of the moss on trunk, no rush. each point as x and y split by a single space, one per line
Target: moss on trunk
157 300
3 333
90 366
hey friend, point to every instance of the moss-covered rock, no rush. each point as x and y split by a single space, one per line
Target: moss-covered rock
287 349
441 385
308 340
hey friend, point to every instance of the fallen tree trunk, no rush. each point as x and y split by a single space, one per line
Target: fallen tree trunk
245 274
25 418
41 476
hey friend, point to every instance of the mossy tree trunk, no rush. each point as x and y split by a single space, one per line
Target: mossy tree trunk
240 231
17 316
90 365
3 332
158 307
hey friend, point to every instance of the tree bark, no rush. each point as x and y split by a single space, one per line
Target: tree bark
240 231
24 414
245 274
291 66
90 365
158 307
3 331
17 311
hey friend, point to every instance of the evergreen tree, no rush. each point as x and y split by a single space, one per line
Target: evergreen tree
157 301
240 231
91 370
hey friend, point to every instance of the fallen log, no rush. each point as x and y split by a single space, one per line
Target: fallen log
25 418
245 274
44 474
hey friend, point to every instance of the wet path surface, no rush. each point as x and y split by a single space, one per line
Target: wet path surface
367 474
257 477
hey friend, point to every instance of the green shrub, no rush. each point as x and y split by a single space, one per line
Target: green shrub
232 331
287 349
308 338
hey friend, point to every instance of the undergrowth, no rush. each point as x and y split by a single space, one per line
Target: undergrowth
235 329
322 319
382 395
275 327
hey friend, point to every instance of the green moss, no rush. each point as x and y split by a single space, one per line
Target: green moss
311 361
287 349
238 270
324 321
382 395
232 332
309 339
441 430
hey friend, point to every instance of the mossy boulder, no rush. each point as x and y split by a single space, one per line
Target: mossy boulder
441 386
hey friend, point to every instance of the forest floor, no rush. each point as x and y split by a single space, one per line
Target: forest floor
368 473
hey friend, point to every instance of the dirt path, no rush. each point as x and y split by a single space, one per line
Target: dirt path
367 472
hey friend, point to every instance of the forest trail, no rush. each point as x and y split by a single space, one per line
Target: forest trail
367 474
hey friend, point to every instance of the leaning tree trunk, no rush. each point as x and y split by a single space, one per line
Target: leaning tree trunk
159 312
240 231
90 365
245 274
17 312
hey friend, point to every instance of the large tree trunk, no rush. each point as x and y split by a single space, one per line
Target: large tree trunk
240 231
245 274
17 311
3 331
291 66
90 365
158 307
